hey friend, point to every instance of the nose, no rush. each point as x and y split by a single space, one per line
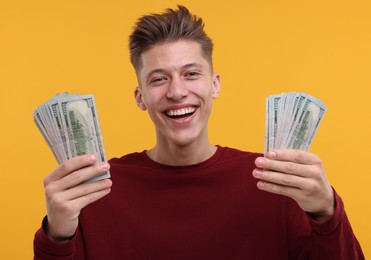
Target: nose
177 89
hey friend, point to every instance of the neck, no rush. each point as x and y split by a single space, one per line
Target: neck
182 155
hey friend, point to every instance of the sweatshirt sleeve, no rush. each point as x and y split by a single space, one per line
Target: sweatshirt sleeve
46 249
334 238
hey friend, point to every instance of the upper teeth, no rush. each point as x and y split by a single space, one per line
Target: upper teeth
180 112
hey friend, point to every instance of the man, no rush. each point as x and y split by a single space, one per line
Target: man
186 198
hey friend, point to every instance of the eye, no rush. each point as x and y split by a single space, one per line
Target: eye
157 80
192 74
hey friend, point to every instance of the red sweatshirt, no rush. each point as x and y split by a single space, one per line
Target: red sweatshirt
211 210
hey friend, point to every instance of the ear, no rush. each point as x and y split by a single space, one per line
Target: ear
216 85
139 98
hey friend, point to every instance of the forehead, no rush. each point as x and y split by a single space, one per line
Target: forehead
171 55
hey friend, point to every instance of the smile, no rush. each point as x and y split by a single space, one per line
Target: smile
180 113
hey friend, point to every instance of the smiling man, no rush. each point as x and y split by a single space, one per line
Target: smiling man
186 198
176 86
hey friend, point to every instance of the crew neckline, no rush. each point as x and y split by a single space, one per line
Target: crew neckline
201 165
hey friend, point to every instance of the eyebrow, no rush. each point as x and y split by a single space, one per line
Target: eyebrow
186 66
194 64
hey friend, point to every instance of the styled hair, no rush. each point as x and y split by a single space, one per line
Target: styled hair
172 25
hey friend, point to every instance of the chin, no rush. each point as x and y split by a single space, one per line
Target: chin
182 141
185 139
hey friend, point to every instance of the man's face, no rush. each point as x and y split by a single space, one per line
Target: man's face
177 87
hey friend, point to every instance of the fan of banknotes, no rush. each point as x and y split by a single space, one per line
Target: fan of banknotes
70 126
292 120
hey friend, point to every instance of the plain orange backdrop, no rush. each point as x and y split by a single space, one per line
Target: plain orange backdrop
262 47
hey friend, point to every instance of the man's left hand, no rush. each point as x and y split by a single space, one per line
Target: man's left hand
299 175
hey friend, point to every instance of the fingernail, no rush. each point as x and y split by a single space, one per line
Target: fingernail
261 162
271 154
108 182
92 158
104 166
260 185
257 173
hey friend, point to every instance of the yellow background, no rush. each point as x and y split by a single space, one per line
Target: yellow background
261 47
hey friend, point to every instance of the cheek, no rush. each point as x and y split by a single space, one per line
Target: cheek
204 91
152 101
148 98
208 95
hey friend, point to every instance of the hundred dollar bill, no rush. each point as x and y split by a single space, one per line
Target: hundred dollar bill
57 120
267 125
306 125
292 110
292 120
43 119
69 123
274 115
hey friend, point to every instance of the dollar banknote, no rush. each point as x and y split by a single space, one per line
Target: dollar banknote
70 126
292 120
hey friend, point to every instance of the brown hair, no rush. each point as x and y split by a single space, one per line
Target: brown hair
171 25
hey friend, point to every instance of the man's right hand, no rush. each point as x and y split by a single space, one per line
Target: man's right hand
66 195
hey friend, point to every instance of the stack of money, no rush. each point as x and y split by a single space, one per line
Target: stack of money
70 126
292 120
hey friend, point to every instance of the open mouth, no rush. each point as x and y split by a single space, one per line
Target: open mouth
181 113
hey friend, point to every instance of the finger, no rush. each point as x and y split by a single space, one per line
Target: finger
79 176
291 155
291 192
86 189
71 165
281 179
83 201
282 166
58 206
